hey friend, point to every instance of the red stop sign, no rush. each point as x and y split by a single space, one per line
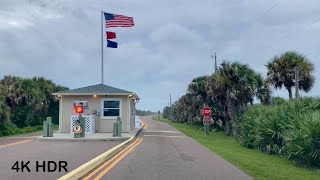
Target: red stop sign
206 111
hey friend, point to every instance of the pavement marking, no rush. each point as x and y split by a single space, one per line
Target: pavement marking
12 144
117 160
163 131
143 124
21 137
164 136
110 160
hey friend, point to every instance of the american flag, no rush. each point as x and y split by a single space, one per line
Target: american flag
115 20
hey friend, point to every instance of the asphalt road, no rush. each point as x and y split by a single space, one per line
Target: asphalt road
167 154
26 149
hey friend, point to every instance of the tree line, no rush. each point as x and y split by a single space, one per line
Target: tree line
234 86
275 125
27 102
144 112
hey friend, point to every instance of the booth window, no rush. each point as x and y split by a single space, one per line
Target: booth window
111 108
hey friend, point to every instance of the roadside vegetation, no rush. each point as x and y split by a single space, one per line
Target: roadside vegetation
144 113
25 103
253 162
290 129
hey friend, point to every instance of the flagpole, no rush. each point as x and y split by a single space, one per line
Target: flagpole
102 73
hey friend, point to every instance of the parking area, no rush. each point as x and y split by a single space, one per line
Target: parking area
41 152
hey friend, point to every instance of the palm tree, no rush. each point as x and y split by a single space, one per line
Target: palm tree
281 72
198 86
234 86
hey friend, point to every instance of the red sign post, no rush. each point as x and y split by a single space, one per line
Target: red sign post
206 113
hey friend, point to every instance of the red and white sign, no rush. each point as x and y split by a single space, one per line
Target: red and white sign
206 112
207 120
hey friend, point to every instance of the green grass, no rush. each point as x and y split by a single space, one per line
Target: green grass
27 130
253 162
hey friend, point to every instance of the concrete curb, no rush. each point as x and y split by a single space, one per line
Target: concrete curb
93 163
52 139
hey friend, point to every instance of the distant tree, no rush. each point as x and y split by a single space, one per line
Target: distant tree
144 113
167 112
281 72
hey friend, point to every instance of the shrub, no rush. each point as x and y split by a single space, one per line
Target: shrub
262 128
278 101
289 129
303 140
7 129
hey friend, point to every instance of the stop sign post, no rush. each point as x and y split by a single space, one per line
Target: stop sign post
206 113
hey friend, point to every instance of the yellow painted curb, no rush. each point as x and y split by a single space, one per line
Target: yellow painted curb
93 163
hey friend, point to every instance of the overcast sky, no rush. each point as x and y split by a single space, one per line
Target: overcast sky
170 44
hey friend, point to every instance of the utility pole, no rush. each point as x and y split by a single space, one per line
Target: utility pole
215 62
170 100
296 76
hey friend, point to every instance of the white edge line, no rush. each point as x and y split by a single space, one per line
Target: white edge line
164 136
163 131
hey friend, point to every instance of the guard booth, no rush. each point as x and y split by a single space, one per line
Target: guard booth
102 105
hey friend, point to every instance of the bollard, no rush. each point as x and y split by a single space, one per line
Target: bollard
49 120
115 129
119 128
45 129
50 130
50 127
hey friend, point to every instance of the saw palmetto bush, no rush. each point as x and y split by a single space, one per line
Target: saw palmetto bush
303 140
290 129
262 128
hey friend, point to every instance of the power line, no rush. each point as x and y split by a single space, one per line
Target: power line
314 22
268 10
301 28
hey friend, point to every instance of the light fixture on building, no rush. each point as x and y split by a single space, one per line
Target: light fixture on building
136 100
94 95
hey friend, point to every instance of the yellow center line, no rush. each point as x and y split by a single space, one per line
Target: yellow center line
12 144
110 160
105 171
21 137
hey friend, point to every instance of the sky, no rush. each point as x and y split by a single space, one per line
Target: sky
170 44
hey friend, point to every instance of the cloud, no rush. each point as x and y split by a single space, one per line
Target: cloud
170 44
